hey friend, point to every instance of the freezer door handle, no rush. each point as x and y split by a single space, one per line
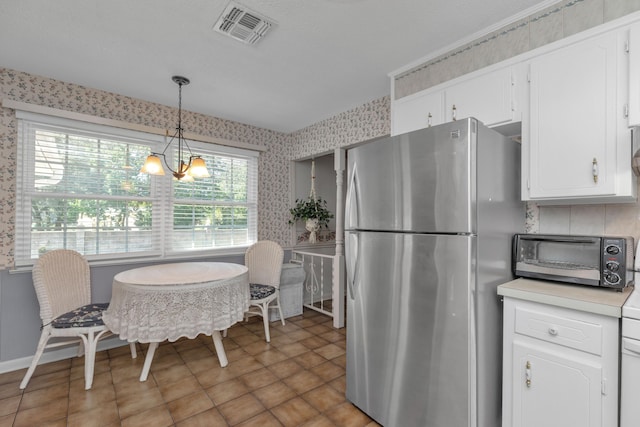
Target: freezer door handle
352 202
352 262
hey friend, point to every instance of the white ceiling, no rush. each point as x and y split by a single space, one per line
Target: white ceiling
323 57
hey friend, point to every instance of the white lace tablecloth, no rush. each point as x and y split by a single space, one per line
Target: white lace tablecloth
169 301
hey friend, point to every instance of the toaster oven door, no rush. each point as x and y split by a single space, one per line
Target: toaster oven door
572 259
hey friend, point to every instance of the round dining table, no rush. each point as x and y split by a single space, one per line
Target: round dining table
170 301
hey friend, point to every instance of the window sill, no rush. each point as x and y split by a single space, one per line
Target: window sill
191 256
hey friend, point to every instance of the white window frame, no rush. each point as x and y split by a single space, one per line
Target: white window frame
161 190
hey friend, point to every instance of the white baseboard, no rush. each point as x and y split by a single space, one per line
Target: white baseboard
58 354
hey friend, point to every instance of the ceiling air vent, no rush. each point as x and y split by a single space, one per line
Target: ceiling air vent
242 24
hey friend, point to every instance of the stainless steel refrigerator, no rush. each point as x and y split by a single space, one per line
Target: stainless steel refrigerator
428 227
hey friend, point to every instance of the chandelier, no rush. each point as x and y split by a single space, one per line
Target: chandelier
189 167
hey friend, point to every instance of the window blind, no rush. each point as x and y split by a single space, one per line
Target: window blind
79 187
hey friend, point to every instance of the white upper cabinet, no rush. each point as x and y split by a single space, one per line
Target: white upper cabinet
576 142
634 75
575 102
489 96
417 111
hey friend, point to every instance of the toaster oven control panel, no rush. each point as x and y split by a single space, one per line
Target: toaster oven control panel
613 260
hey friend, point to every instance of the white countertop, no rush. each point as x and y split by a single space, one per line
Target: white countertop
578 297
632 306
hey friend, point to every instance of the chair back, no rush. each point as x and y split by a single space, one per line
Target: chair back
62 279
264 261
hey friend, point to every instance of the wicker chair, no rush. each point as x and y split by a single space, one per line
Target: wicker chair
62 282
264 261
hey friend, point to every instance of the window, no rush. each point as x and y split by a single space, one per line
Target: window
79 187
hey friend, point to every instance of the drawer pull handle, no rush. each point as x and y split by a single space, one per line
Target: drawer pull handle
527 373
553 331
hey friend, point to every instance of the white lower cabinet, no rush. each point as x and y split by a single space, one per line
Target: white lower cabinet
554 389
560 367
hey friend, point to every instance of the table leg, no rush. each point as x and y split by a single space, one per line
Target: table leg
217 342
147 360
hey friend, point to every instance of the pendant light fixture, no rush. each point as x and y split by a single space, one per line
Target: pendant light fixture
190 166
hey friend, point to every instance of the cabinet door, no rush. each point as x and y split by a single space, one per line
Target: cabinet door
573 124
488 98
552 389
634 71
417 112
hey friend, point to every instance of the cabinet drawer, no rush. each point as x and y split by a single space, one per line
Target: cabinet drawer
562 330
631 328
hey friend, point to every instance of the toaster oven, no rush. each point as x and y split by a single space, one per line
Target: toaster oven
605 261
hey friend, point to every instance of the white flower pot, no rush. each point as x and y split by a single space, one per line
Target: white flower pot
312 227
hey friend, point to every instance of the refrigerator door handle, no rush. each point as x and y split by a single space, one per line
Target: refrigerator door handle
352 202
352 262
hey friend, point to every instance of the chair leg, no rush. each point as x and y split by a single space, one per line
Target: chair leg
134 353
44 337
91 346
89 359
265 319
280 310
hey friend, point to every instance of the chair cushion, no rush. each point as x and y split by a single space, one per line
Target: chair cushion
260 291
81 317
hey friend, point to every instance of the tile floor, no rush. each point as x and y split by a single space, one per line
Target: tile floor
298 379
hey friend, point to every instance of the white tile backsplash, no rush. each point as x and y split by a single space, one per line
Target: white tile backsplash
554 220
621 219
587 219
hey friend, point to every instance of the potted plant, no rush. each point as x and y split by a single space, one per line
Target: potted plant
315 214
